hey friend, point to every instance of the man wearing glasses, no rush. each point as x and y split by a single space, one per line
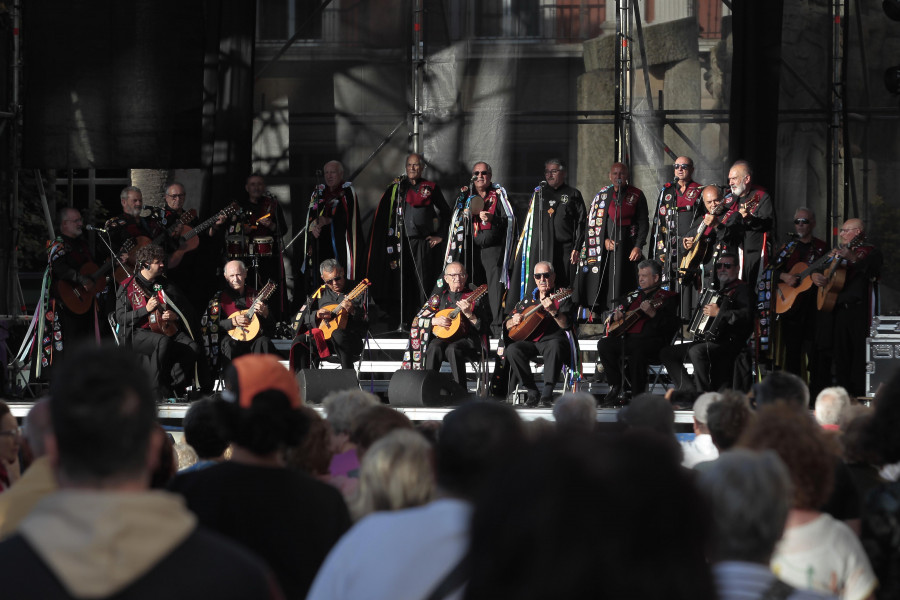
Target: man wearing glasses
843 352
473 322
618 223
411 218
553 232
676 207
796 328
732 322
548 338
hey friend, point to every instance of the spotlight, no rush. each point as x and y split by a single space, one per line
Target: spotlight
892 79
891 9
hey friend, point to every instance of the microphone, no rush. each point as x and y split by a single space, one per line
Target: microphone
474 177
92 228
794 234
544 183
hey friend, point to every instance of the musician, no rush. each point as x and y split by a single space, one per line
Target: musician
796 328
553 232
420 203
641 342
333 230
713 360
676 208
254 234
474 321
718 232
754 214
487 238
618 223
137 299
548 339
227 306
130 225
346 343
849 322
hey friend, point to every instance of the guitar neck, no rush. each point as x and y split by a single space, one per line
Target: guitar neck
204 225
359 289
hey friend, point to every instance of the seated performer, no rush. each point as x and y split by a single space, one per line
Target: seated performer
146 306
656 320
713 357
227 305
346 341
548 338
474 321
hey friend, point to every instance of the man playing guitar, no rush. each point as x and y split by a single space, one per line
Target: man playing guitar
238 297
656 320
548 339
474 322
146 306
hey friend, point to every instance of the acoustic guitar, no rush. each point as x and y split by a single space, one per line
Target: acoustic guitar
786 294
693 258
619 327
78 298
142 240
339 317
157 323
455 314
836 277
189 240
246 334
533 316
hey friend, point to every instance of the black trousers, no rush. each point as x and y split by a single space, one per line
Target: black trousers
713 365
639 352
851 326
231 348
165 353
492 261
454 352
554 349
347 345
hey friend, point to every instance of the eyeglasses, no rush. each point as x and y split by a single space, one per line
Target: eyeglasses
801 221
552 171
455 275
542 275
724 265
13 433
332 280
477 173
176 195
682 166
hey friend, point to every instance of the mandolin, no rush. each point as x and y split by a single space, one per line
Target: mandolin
157 323
617 328
533 316
245 334
455 314
339 318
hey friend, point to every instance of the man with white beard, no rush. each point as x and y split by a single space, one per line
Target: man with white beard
753 208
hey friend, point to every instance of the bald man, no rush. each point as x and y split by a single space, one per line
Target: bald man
844 354
717 233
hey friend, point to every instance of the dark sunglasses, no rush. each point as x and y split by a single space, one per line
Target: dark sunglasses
477 173
724 265
542 275
332 280
682 166
801 221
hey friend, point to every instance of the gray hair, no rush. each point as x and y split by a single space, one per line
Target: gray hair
576 410
830 403
131 188
750 494
481 162
549 265
812 213
329 265
395 473
649 263
239 262
745 164
342 406
339 164
555 161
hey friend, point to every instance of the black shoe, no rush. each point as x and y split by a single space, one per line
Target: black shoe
612 395
532 399
546 402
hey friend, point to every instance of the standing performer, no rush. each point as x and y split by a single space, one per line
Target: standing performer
651 313
676 207
333 228
618 223
130 226
755 213
553 232
483 219
844 354
147 308
713 231
411 218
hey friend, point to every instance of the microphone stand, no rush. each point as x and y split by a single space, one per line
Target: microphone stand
540 229
614 272
401 259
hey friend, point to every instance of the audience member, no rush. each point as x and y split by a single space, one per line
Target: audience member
750 495
576 410
410 553
817 552
313 455
860 454
185 456
543 526
287 518
37 481
701 448
167 465
9 448
341 407
727 419
373 423
781 386
648 411
396 473
104 534
830 403
203 432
